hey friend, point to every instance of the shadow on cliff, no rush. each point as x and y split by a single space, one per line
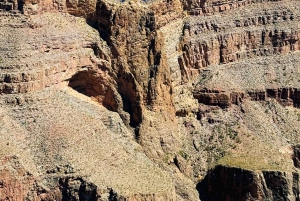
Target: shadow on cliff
236 184
228 184
202 188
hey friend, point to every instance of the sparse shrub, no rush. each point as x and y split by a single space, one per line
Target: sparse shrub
298 117
194 132
183 154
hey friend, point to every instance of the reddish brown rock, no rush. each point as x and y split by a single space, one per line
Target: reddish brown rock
286 96
228 40
15 182
132 76
257 95
213 97
237 97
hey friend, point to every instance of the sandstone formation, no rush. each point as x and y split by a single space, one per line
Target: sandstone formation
285 96
149 100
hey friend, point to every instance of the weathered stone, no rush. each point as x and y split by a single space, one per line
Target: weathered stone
213 97
150 63
228 183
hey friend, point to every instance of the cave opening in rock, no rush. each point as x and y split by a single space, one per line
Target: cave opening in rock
91 84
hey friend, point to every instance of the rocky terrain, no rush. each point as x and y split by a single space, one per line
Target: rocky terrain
149 100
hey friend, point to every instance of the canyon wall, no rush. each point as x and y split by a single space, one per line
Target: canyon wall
156 93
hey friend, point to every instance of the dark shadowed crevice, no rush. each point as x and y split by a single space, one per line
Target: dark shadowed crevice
91 20
133 109
202 188
104 33
21 5
113 196
137 134
77 189
104 22
127 88
176 162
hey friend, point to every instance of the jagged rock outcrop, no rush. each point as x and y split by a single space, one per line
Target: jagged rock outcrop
141 68
137 48
218 97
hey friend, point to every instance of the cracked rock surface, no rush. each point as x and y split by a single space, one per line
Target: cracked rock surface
157 100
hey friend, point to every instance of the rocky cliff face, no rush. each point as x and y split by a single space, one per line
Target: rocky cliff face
239 36
162 100
224 183
63 51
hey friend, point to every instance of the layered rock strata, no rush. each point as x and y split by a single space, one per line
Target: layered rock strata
215 6
286 96
234 36
185 85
